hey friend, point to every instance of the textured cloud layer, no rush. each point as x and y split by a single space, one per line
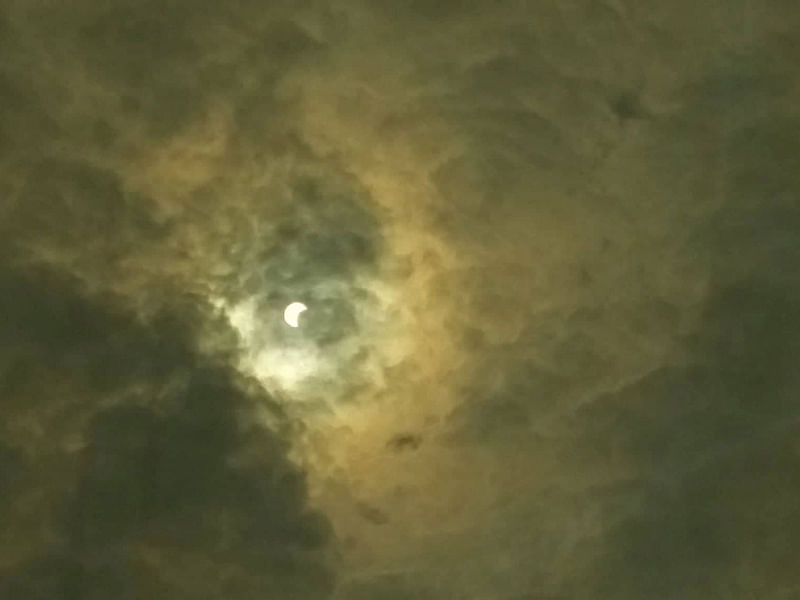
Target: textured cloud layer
550 257
132 465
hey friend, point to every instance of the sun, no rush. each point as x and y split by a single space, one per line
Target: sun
292 313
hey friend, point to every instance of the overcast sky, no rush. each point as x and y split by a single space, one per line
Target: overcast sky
551 257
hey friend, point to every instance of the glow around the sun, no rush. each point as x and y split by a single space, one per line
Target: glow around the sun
278 359
287 358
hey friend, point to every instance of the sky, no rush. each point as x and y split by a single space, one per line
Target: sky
551 258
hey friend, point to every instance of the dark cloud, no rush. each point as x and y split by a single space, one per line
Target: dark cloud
77 209
716 467
711 440
167 60
372 514
137 460
166 467
12 463
64 577
386 586
404 441
628 105
686 468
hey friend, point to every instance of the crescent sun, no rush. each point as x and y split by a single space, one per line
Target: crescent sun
291 313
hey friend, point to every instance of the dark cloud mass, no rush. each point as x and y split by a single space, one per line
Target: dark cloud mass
550 255
140 449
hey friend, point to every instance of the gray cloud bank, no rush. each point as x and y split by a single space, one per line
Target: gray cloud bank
130 466
552 252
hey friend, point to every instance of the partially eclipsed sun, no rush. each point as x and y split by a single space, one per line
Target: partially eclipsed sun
292 313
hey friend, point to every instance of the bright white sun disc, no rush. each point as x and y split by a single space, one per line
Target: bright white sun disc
292 313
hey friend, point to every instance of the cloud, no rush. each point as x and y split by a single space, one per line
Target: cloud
137 456
150 465
711 445
548 253
391 586
616 309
